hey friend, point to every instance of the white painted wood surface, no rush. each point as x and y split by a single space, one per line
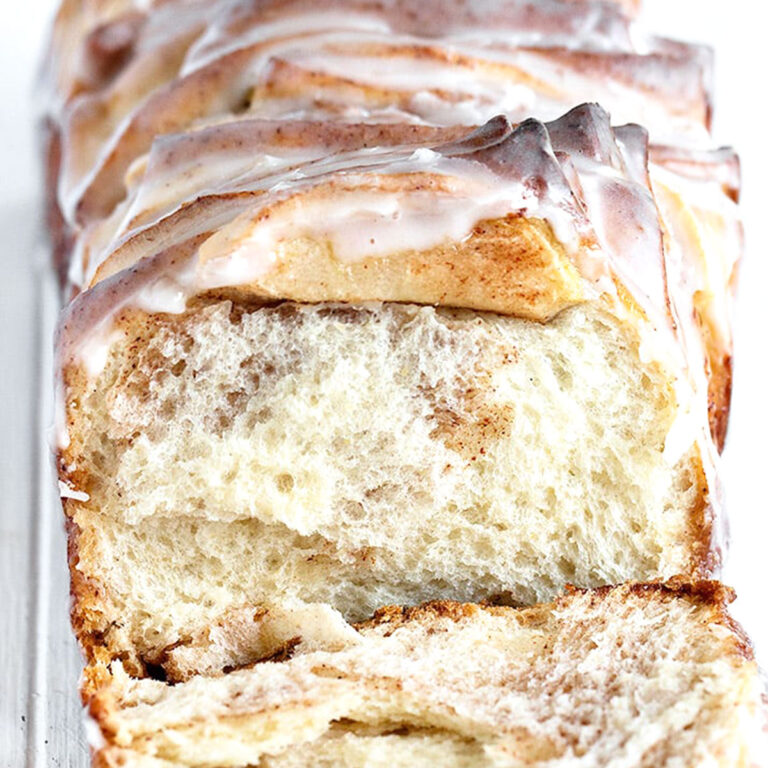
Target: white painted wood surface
41 720
41 723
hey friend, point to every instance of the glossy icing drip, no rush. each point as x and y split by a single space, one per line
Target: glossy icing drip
455 62
363 225
237 157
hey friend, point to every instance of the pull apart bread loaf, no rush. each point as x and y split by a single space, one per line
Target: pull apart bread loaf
322 366
367 313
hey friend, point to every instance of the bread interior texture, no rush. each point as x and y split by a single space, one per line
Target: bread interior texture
239 458
629 678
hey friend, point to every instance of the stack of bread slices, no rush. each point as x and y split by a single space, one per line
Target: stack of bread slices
392 379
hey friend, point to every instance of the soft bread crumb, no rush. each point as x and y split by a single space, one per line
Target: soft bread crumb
357 456
638 675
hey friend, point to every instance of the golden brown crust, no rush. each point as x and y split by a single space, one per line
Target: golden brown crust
719 395
396 615
511 266
89 614
703 543
707 593
704 592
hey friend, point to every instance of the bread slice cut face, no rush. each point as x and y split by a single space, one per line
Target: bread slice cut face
277 414
637 675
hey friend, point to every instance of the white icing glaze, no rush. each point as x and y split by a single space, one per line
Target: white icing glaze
514 24
68 492
215 43
701 255
513 64
94 352
61 439
162 191
367 225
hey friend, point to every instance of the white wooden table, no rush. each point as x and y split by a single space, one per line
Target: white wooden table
41 720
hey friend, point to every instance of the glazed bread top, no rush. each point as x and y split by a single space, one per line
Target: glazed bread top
524 221
270 150
137 74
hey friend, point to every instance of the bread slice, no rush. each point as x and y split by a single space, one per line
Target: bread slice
490 411
637 675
